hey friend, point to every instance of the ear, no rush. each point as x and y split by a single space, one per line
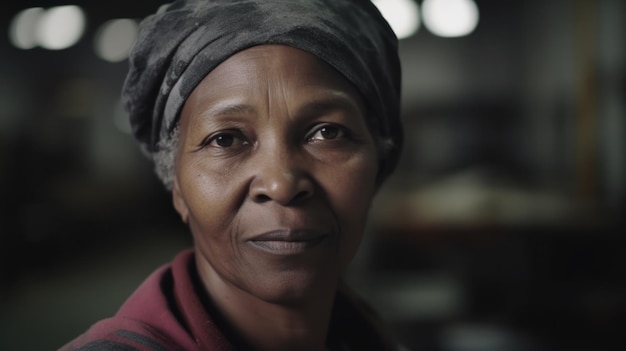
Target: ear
179 202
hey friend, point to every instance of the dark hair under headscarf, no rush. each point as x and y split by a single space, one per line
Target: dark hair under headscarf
180 44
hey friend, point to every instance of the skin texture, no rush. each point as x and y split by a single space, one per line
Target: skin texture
275 173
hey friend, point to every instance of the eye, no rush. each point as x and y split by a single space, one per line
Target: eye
225 140
326 132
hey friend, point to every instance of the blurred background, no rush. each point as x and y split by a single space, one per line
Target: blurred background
502 229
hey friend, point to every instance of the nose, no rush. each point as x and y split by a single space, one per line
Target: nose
281 178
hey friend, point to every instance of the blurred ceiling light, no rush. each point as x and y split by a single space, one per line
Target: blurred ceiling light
61 27
450 18
402 15
115 39
23 28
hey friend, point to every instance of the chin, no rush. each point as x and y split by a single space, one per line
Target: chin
295 287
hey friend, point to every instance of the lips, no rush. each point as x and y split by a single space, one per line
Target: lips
288 242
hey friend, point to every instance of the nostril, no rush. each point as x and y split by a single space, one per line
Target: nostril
300 196
262 198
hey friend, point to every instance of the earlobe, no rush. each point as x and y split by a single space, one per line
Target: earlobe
179 202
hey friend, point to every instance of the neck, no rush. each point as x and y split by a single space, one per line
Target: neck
261 325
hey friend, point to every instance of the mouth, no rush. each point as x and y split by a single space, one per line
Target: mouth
287 242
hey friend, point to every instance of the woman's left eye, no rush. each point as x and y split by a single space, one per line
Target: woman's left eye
327 132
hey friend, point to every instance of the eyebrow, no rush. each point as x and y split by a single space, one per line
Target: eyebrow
229 109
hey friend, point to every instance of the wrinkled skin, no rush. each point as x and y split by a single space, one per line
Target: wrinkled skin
275 173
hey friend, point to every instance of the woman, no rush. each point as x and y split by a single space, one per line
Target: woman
273 123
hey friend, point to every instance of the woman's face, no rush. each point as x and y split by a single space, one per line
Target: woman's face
275 173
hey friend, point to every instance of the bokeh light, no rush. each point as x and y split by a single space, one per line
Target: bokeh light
402 15
115 39
23 28
450 18
61 27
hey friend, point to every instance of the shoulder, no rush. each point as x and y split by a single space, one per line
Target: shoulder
150 318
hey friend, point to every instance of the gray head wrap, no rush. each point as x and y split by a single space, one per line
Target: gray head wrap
180 44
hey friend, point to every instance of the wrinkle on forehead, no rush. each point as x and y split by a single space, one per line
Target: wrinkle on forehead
275 72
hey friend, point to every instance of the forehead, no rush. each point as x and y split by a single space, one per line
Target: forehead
263 71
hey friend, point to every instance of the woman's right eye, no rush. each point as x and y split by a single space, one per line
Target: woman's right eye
224 140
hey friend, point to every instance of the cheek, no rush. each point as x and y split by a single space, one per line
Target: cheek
351 190
211 198
355 194
355 181
212 204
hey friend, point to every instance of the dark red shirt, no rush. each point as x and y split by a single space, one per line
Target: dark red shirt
169 311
